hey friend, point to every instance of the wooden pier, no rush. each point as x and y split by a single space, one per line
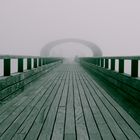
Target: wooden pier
66 103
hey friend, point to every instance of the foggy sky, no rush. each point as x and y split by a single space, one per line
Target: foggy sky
27 25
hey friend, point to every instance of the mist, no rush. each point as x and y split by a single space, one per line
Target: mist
26 26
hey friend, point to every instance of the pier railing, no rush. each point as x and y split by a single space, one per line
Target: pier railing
14 82
36 61
104 63
105 68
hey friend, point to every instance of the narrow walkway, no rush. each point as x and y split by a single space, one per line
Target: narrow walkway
65 104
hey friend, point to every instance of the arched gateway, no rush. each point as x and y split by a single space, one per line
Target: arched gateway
94 48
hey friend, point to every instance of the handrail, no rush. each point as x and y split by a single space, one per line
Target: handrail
17 56
22 56
104 63
118 57
37 62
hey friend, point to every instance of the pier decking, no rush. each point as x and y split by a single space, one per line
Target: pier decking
65 104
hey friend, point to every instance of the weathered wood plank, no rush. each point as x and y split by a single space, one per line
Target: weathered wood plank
38 123
58 131
69 132
128 125
51 118
65 104
101 122
25 127
91 124
24 114
36 85
116 130
6 111
81 125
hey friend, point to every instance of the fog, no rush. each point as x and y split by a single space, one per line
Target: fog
27 25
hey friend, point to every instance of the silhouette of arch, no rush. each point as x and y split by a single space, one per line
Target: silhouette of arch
94 48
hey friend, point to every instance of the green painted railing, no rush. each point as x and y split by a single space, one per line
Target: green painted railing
104 63
36 60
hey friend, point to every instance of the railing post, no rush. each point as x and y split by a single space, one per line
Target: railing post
95 61
112 64
40 60
7 67
99 62
43 61
35 62
102 62
134 68
106 63
121 65
20 64
29 63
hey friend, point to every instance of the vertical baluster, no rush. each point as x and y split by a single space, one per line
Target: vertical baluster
121 65
35 62
45 60
29 63
20 64
102 62
106 63
98 61
40 61
112 64
7 67
134 68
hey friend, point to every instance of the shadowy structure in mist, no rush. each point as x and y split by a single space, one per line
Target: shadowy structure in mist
48 47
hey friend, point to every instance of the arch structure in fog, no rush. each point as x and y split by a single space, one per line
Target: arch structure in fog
45 51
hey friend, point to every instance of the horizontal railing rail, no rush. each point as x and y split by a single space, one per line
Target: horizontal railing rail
37 61
118 57
104 63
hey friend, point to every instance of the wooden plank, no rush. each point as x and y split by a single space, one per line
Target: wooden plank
51 118
19 111
22 116
66 104
6 123
119 120
20 99
26 93
101 122
37 84
69 132
81 125
24 128
37 125
58 131
116 130
91 124
129 126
